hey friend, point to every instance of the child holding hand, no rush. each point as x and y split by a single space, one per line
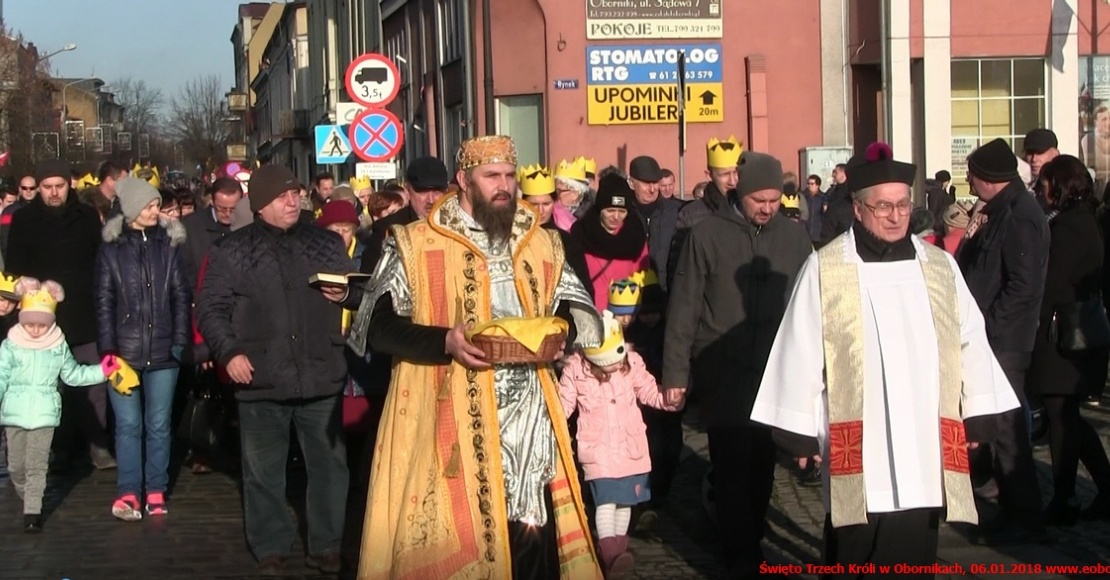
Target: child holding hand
604 386
32 360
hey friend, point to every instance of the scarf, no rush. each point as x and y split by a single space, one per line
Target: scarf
47 341
626 244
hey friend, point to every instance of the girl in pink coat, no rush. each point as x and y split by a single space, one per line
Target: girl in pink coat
604 385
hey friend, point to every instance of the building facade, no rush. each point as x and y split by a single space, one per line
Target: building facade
282 94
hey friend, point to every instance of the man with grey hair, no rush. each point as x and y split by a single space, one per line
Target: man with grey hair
881 371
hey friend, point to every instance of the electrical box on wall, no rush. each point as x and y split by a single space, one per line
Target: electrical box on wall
820 161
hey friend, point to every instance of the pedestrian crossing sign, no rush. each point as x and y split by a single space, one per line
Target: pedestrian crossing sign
332 145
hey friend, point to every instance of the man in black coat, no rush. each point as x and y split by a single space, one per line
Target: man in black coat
1005 263
55 237
425 182
731 287
281 343
204 227
840 213
658 214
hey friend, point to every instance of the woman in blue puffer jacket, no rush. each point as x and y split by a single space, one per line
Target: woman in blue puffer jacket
142 308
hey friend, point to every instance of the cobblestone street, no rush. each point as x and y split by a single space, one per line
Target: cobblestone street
203 535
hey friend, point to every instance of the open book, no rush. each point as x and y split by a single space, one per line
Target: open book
326 279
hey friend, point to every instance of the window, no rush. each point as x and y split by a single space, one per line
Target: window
1094 116
449 14
522 119
397 46
994 98
453 131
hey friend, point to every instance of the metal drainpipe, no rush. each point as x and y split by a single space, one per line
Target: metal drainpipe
487 72
468 73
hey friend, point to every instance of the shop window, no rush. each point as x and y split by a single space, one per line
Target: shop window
1094 116
994 98
449 14
521 118
453 131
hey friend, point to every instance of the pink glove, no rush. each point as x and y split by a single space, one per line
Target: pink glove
109 365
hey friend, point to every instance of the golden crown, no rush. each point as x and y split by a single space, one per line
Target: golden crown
614 337
574 169
360 183
536 180
724 154
590 164
38 301
7 284
486 150
87 180
624 293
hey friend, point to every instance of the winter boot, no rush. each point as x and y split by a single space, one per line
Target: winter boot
623 562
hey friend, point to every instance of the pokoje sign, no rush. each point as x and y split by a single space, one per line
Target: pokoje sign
617 19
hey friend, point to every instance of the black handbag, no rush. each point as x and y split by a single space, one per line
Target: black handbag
204 424
1078 327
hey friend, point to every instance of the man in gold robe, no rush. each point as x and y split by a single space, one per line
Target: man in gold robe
472 475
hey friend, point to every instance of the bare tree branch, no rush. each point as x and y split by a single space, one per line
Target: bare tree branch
25 102
196 122
142 104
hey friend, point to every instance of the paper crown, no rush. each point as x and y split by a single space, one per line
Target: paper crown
360 183
149 174
724 154
87 180
38 301
612 349
573 169
486 150
645 278
590 164
624 296
535 180
7 286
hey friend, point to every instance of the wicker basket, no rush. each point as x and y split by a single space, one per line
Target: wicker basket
507 350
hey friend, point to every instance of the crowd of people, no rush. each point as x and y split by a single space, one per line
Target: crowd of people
498 358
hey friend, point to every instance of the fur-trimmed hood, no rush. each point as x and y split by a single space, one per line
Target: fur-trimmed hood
114 227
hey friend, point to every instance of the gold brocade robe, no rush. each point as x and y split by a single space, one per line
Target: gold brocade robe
437 503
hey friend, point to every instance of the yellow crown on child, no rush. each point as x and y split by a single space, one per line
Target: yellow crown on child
38 301
612 349
360 183
645 278
7 286
87 180
535 180
724 154
624 296
573 169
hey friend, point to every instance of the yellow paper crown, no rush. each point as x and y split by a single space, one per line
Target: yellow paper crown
38 301
360 183
590 164
7 285
613 342
87 180
645 278
574 169
624 296
724 154
486 150
536 180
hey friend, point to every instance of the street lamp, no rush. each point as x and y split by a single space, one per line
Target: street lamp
62 115
66 48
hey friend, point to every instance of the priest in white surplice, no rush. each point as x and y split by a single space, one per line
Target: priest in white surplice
880 370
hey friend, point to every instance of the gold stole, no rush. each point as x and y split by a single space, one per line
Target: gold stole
437 506
842 316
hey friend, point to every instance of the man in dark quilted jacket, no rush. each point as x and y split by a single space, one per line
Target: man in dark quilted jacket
279 340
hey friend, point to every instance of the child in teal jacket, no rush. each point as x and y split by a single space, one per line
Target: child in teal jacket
32 359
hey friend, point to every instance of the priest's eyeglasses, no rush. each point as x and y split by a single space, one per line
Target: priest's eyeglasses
883 209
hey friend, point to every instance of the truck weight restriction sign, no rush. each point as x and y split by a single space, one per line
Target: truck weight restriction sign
372 80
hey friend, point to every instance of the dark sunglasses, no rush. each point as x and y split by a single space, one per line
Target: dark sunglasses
25 188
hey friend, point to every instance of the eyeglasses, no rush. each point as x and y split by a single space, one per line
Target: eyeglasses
25 188
224 210
884 209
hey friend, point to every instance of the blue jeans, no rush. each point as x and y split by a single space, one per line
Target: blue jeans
148 405
264 431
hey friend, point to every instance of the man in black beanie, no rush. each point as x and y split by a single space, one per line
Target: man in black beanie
733 279
1005 264
56 238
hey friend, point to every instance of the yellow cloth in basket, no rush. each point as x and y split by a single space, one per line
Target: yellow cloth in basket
527 331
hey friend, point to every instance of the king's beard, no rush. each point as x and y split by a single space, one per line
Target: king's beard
497 221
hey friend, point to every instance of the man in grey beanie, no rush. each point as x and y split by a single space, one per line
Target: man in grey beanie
732 282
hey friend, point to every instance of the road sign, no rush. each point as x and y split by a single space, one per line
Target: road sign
345 113
387 170
332 145
372 80
376 135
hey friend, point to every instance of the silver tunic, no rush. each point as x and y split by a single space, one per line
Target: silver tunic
528 449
